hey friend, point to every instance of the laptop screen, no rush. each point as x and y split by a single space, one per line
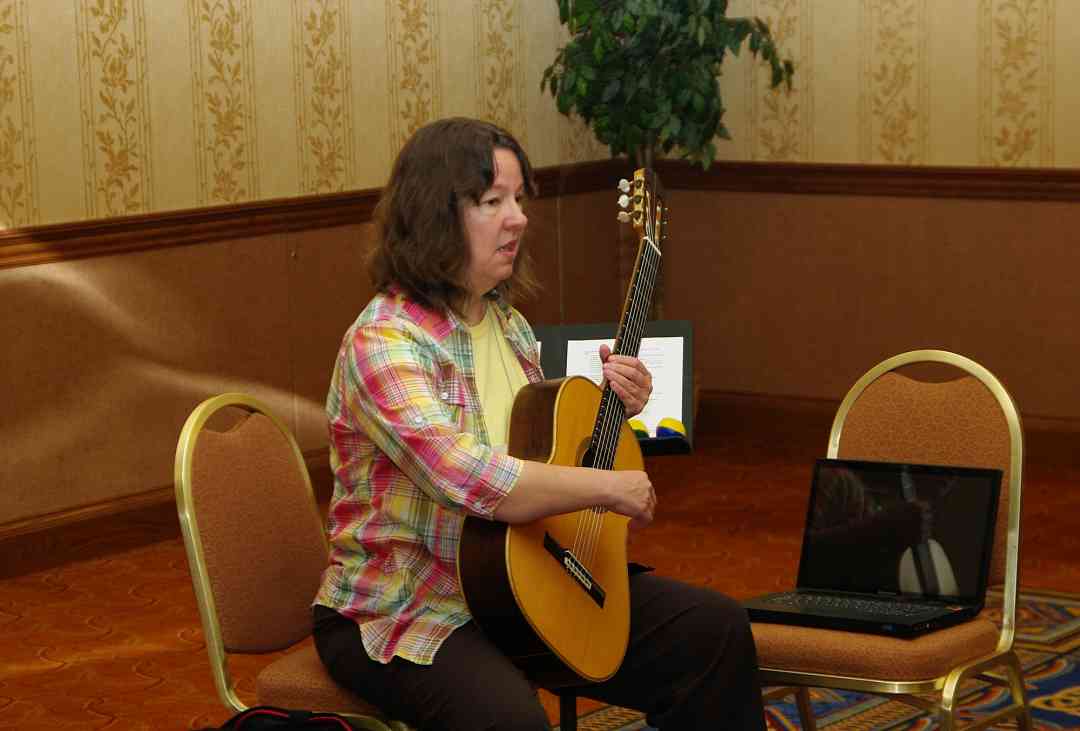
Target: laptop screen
886 528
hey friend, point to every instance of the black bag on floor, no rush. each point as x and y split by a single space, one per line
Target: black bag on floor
269 718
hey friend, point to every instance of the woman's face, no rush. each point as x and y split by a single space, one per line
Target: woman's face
493 227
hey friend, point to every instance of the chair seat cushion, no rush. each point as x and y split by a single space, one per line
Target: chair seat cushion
299 680
853 654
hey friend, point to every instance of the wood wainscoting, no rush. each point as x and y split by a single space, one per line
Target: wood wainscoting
797 277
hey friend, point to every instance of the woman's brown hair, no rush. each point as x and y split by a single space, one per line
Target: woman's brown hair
421 245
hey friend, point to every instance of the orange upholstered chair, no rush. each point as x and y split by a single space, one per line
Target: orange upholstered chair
256 547
935 407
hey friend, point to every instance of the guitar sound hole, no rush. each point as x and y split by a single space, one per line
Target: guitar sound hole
588 454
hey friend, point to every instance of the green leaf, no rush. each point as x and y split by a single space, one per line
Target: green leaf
611 90
672 128
647 72
709 154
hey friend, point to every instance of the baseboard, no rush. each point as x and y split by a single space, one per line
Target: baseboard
62 519
711 397
84 534
91 531
806 404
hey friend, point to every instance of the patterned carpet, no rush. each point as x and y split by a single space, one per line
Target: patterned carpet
1048 641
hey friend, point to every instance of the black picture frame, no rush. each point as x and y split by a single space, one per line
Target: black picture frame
554 339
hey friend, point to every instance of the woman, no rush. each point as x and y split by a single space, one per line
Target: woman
419 409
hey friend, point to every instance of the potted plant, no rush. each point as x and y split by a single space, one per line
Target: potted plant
644 73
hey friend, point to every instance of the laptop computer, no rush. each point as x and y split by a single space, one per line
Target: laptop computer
888 548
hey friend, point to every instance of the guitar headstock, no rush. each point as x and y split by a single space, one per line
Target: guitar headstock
643 205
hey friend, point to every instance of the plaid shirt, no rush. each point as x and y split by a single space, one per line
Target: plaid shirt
411 458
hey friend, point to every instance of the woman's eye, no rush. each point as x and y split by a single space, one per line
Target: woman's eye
491 202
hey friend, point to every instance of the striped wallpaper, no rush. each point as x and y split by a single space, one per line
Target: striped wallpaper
118 107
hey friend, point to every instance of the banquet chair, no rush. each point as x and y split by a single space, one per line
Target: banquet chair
256 547
902 410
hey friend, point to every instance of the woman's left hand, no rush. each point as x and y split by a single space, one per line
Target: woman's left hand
629 379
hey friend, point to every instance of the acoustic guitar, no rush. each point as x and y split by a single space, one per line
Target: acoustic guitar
554 594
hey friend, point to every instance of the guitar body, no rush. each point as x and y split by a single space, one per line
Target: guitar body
558 624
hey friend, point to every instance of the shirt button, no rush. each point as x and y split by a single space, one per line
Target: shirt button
445 395
418 420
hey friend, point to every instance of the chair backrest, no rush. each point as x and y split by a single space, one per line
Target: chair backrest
969 420
255 540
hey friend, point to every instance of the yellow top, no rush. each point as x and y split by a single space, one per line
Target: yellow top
498 376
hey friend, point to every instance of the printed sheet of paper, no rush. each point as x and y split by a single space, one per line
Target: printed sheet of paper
662 356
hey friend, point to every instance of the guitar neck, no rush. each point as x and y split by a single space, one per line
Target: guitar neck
639 298
634 317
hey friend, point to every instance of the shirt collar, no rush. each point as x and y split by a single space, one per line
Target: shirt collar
441 324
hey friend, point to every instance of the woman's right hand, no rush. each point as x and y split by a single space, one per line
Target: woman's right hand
631 494
550 489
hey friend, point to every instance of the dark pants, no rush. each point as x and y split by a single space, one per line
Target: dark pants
690 664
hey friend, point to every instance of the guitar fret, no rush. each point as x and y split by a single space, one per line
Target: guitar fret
627 342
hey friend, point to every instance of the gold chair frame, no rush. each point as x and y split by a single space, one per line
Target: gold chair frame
945 689
189 525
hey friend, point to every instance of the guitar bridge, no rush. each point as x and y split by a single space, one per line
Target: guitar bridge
577 571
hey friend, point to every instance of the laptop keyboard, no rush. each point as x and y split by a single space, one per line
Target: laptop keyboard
877 607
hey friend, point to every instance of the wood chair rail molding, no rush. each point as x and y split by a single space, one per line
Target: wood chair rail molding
1021 184
57 242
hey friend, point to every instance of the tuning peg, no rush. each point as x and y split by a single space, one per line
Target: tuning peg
624 185
624 200
623 217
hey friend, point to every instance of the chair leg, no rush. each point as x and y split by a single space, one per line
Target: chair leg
1015 676
806 711
567 712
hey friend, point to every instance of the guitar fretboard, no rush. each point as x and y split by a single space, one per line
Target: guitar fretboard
627 342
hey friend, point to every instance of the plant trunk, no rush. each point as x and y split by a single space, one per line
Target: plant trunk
643 156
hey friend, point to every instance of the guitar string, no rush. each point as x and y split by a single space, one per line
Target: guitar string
610 429
615 415
593 521
650 263
602 451
636 322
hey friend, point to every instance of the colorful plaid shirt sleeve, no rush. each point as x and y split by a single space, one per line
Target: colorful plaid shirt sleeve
411 458
416 416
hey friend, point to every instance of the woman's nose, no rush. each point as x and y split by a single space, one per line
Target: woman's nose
517 218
